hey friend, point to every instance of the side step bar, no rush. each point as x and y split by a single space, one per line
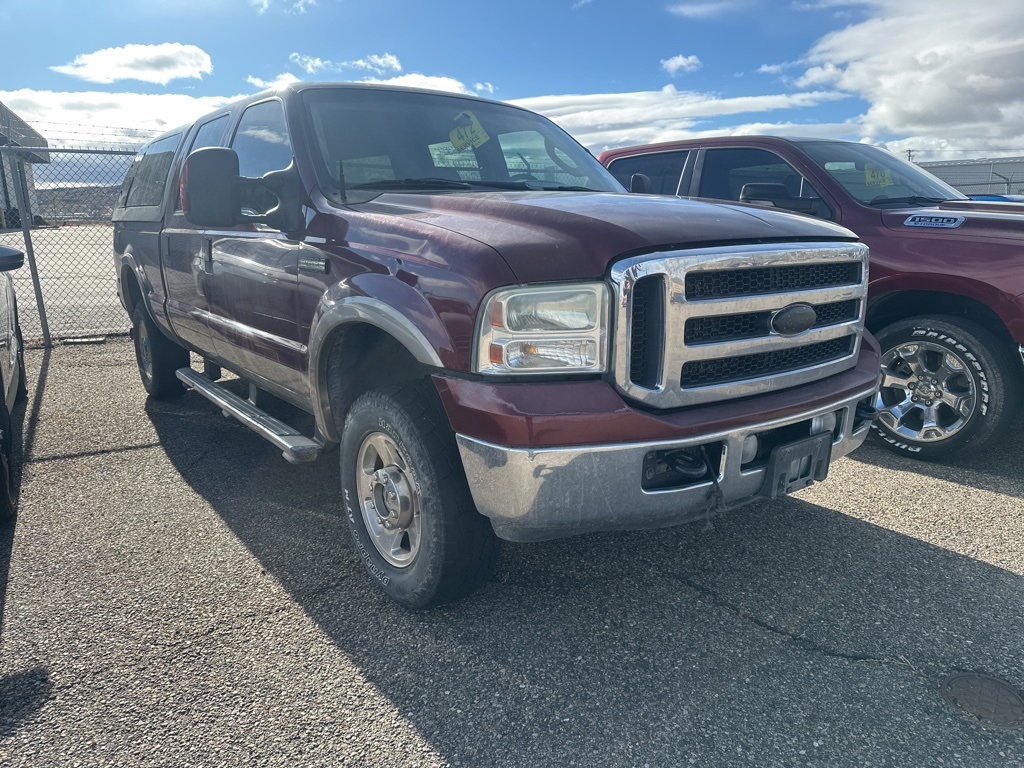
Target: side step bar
295 447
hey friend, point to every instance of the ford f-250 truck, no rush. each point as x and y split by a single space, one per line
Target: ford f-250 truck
946 298
500 340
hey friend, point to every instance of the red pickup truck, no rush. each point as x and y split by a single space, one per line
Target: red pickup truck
946 294
496 338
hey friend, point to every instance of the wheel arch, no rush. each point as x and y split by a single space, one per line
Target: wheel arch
904 304
360 344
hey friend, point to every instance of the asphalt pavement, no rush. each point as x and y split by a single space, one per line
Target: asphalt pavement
173 593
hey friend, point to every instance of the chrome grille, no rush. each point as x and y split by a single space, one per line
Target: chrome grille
707 330
696 326
721 284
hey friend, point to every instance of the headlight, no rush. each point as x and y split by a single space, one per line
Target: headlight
558 328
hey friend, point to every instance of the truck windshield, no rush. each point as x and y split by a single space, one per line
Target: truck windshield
878 178
373 140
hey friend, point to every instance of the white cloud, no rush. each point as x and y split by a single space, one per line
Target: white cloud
483 88
704 10
148 63
681 63
580 3
384 62
86 118
930 70
294 6
605 120
431 82
283 79
377 63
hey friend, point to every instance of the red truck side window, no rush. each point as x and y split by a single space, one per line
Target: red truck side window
662 168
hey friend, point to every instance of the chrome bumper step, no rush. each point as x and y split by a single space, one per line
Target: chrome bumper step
295 447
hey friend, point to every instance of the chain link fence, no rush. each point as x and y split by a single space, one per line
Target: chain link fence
55 205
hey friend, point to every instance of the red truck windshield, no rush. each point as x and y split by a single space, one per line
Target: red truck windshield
379 139
878 178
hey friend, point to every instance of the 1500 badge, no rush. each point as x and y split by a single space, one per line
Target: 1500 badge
941 222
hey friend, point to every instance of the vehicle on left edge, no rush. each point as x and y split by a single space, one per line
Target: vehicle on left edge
12 376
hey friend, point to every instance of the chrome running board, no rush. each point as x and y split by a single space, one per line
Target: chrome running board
295 447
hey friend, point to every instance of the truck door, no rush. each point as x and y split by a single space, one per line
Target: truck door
253 270
184 254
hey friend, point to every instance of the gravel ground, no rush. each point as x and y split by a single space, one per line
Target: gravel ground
173 593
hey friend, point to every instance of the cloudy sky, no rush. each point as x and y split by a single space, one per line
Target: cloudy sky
941 77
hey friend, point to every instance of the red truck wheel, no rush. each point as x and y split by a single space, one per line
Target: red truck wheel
406 499
946 382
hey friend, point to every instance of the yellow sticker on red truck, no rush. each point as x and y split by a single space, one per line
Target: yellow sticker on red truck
877 177
468 132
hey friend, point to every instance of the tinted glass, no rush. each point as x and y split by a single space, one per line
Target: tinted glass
261 140
663 169
726 174
144 183
385 135
875 177
211 134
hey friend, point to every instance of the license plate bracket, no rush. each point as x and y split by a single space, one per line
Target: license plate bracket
797 465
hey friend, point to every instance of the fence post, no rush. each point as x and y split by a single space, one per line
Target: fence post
25 213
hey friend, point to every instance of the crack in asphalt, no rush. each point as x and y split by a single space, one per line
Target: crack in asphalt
796 638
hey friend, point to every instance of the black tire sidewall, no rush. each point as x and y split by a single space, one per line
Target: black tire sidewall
994 382
8 497
167 357
414 585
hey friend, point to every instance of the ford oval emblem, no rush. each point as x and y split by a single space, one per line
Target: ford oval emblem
794 319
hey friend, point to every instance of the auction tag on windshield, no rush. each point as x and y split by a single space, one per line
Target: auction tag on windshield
468 132
877 177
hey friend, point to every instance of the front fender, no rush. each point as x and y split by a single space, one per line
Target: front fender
340 307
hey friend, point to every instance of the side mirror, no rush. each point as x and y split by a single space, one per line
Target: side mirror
209 188
287 187
212 192
10 259
640 183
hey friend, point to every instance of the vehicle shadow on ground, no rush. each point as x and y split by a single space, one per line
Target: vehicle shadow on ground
784 633
23 693
998 468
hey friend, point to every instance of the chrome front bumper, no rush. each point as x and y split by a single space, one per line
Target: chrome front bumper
535 495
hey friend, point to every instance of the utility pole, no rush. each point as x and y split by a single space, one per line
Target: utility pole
910 155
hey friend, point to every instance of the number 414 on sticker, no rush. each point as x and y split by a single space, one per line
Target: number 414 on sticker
468 132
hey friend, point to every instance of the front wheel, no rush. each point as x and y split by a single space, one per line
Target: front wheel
946 382
406 499
157 356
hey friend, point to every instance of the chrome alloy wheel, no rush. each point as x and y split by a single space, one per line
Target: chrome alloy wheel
927 394
389 499
145 346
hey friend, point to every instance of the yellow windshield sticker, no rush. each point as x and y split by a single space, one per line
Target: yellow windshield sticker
877 177
468 132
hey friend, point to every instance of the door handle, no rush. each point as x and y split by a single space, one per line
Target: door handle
208 256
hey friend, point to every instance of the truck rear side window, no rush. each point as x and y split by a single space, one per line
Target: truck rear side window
662 168
144 184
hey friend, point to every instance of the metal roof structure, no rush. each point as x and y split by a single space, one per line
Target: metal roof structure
997 175
15 132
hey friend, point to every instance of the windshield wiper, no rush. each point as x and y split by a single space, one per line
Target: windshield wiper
909 200
424 183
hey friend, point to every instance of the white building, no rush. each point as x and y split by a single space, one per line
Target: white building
997 176
15 132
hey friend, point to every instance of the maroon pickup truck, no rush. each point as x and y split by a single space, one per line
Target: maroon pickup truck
946 297
498 339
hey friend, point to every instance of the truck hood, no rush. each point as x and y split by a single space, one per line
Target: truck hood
961 219
573 235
